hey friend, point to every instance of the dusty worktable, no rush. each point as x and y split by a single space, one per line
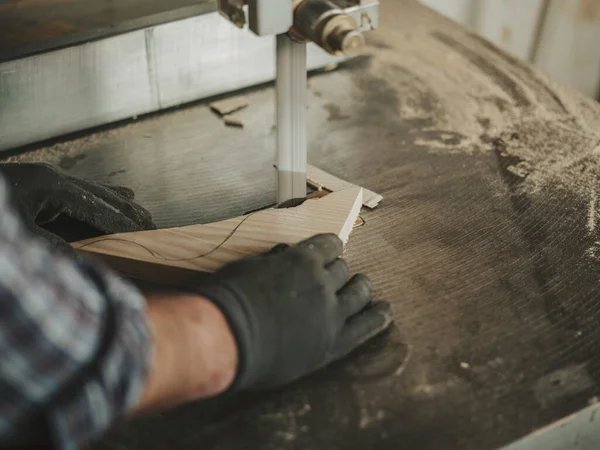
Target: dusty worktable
486 243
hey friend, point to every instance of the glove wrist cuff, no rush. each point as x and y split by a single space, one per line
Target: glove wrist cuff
232 307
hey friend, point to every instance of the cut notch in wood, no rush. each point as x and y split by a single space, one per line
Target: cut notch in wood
320 180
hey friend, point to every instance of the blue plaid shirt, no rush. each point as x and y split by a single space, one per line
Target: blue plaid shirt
56 352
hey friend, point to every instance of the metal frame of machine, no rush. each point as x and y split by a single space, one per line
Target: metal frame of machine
134 69
295 23
88 84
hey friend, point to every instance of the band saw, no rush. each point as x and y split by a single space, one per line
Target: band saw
486 242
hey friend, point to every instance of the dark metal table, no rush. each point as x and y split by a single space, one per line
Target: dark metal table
487 242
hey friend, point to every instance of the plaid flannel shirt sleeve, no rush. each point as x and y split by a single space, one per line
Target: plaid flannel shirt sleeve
74 338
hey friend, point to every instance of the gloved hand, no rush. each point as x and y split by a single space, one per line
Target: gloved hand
62 208
294 310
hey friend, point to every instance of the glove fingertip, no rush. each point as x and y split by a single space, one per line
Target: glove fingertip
278 249
145 222
355 295
382 306
141 217
126 192
362 282
374 320
123 191
380 317
327 247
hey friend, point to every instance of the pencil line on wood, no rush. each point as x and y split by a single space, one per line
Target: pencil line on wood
158 255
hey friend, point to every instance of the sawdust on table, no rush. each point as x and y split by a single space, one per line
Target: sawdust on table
72 147
469 94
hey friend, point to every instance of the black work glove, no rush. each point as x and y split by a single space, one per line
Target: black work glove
294 310
62 208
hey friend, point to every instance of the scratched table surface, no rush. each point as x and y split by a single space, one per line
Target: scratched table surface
487 243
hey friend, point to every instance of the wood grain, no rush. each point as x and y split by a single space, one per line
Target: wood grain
174 255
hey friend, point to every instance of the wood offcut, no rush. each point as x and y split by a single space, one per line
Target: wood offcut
228 105
234 122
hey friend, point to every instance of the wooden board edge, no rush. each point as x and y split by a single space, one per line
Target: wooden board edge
168 276
344 234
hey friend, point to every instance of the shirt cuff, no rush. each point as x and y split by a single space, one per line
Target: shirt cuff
118 383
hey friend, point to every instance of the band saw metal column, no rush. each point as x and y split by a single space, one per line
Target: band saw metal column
334 25
291 91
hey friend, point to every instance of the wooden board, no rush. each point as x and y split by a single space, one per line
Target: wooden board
319 179
176 255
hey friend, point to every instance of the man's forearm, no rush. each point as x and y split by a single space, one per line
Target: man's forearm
195 353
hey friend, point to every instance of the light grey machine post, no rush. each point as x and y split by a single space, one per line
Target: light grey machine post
337 27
